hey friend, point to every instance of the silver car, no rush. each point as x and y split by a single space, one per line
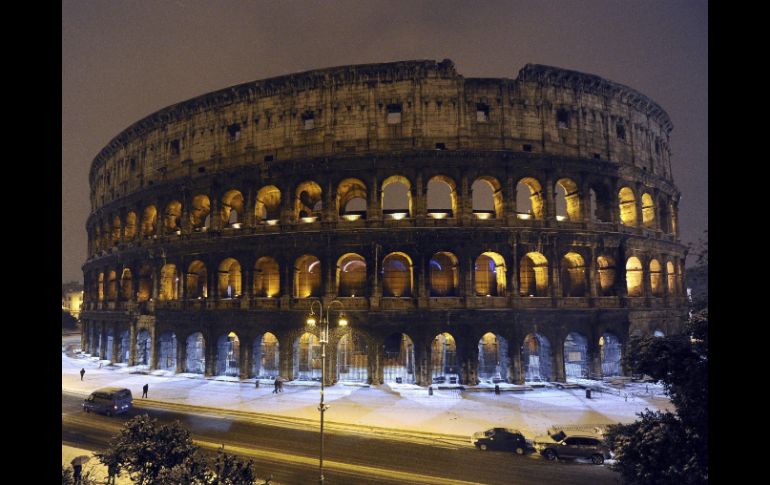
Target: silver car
563 445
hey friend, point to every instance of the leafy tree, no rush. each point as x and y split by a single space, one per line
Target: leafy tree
68 478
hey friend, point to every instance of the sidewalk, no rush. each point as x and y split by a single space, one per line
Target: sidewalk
399 408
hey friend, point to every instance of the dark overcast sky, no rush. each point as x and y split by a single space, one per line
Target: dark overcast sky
122 60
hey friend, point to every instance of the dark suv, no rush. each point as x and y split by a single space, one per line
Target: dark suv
562 445
503 439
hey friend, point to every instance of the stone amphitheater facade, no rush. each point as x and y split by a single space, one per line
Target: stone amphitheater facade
473 229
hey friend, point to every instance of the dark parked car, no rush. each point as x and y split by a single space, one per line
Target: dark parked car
109 401
562 445
504 439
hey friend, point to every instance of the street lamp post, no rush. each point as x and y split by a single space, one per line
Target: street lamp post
324 321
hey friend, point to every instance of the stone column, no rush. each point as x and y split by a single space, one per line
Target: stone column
419 203
374 202
244 359
210 353
422 362
515 373
287 207
154 344
509 201
286 356
132 344
375 360
249 206
465 201
557 359
550 200
181 353
592 276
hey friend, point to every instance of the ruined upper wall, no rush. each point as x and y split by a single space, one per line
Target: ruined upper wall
352 110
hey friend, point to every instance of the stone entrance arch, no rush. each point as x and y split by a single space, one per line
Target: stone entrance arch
307 358
108 349
124 347
143 348
195 362
536 358
493 358
443 360
575 356
352 359
228 355
398 359
610 350
265 361
167 351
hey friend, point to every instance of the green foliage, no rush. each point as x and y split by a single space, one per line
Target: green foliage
67 477
231 470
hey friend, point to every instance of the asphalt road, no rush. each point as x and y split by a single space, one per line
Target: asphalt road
291 455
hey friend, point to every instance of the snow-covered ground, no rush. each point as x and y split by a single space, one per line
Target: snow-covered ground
399 406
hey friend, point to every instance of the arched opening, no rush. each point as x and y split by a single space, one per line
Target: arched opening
665 217
671 278
567 201
144 291
229 278
116 226
352 359
199 213
197 280
443 360
168 282
533 275
195 361
112 287
487 198
100 288
656 283
351 199
130 230
442 197
96 341
307 277
351 275
634 276
150 221
627 207
307 358
232 209
109 344
265 362
397 275
124 347
575 356
606 270
172 216
674 226
268 206
648 211
143 348
228 355
444 275
529 199
308 204
493 358
106 236
610 351
490 275
126 285
167 351
97 240
536 358
573 275
396 197
267 278
398 359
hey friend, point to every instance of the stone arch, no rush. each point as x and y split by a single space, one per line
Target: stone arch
150 221
533 275
172 216
144 288
307 358
197 280
443 359
268 206
442 197
568 201
143 348
100 287
493 358
308 203
487 197
648 211
195 360
230 278
130 230
656 278
352 358
351 275
168 282
199 212
116 228
232 208
267 277
228 355
634 275
307 277
396 196
124 347
97 238
536 358
671 278
126 285
397 275
167 351
573 275
265 363
610 351
106 236
110 338
490 274
398 359
627 202
444 274
607 271
576 356
530 199
351 199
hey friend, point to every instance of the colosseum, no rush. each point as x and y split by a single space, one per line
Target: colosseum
473 230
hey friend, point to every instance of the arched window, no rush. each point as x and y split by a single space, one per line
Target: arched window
149 221
610 352
648 211
232 209
487 198
575 356
143 348
172 215
396 197
493 358
533 275
195 362
199 213
627 202
126 285
308 204
536 358
573 275
443 359
444 276
490 275
606 270
567 201
144 291
116 225
634 276
268 206
112 287
267 278
130 230
168 282
101 286
352 359
197 280
228 355
351 199
167 351
442 197
351 275
307 277
397 275
307 358
529 199
398 359
229 278
671 278
655 278
266 357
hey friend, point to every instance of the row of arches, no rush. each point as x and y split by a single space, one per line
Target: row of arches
491 276
351 202
353 355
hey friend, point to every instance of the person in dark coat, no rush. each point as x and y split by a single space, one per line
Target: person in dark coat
76 471
280 385
275 386
144 390
82 373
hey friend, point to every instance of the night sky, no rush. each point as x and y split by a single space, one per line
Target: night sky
122 60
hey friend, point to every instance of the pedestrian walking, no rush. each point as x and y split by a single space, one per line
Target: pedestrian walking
280 385
275 386
144 390
82 373
256 383
112 473
76 471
